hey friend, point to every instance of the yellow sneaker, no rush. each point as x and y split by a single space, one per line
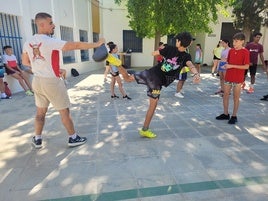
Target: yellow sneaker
148 133
29 93
113 60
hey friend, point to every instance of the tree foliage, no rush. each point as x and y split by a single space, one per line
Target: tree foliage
151 18
250 15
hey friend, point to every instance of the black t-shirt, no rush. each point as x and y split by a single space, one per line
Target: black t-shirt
168 70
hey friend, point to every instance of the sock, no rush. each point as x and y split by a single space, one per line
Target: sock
144 129
37 137
73 136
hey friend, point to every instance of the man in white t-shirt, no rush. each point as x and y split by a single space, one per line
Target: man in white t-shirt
42 53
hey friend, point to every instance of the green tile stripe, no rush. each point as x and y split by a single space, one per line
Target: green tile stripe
170 189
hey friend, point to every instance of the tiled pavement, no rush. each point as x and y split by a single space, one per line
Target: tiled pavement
194 157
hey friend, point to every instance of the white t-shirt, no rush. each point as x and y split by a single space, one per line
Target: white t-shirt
10 60
43 52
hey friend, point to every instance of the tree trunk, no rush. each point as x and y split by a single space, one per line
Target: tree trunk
247 33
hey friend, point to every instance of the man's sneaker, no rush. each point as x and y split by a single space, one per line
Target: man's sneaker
148 133
77 141
223 117
233 120
29 93
250 90
37 143
179 95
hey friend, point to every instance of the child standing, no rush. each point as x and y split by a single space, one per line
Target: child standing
198 58
115 74
237 63
221 68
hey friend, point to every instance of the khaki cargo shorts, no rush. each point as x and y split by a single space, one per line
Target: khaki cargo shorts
50 90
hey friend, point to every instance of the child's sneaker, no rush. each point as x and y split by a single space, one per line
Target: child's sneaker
6 97
250 90
126 97
29 93
233 120
37 143
77 141
179 95
223 117
148 133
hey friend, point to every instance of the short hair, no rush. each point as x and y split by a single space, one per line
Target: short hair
42 16
160 43
239 36
185 38
6 47
110 43
257 34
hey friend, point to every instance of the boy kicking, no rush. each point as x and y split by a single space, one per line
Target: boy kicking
163 74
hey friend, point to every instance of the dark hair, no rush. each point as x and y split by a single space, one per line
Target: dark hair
111 47
199 45
226 41
257 34
185 38
239 36
6 47
42 16
110 43
160 43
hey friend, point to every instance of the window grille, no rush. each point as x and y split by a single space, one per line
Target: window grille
10 34
84 38
131 41
67 35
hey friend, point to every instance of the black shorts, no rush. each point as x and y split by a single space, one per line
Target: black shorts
216 58
252 69
152 82
115 74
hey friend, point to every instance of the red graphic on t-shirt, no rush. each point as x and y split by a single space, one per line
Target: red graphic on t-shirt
36 51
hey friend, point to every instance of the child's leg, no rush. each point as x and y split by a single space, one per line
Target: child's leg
236 96
150 112
21 81
126 76
227 89
112 85
26 80
120 85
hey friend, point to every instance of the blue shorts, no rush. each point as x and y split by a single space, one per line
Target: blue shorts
221 64
2 71
182 76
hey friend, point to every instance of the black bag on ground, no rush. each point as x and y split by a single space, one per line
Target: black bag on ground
74 72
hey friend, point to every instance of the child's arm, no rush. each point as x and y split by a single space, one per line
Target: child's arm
246 66
196 76
156 53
